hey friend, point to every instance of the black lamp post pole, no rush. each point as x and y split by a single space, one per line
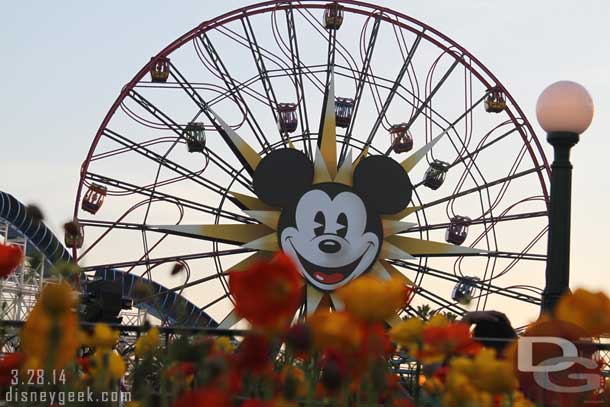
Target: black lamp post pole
558 251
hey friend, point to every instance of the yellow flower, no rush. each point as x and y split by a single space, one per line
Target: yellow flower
586 309
493 375
224 345
49 337
147 342
462 365
433 385
372 299
407 332
336 330
58 298
103 337
438 320
459 390
106 367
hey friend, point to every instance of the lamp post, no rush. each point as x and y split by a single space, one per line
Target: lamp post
564 111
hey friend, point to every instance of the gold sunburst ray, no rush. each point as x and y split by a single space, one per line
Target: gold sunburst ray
345 173
410 162
268 243
248 157
321 173
223 233
392 227
313 299
251 203
327 143
268 218
419 247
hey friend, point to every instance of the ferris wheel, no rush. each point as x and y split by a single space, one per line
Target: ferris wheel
219 149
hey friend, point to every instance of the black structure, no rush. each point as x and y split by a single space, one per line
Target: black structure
558 251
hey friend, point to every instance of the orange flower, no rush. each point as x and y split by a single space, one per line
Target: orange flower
267 293
586 309
11 257
335 330
442 341
372 299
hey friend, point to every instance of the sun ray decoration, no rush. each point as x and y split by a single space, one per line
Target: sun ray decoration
263 236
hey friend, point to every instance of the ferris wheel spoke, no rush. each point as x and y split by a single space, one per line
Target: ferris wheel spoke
232 86
475 152
262 71
236 234
165 162
366 64
154 194
168 259
509 292
150 298
295 59
393 91
176 128
482 220
483 186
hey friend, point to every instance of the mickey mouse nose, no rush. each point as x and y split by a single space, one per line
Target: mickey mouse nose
330 246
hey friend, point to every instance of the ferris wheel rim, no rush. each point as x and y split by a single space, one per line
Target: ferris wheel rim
268 6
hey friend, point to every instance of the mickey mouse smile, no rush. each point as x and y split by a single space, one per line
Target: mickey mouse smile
328 275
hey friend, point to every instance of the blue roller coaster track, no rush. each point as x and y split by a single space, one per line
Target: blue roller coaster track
163 303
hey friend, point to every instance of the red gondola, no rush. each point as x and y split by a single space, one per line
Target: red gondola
159 70
333 16
94 198
402 141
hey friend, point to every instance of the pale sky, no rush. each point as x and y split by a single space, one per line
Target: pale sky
64 62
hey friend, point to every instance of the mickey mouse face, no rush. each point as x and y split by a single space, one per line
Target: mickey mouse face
331 234
332 231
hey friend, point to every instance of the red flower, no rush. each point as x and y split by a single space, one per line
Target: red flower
84 363
180 370
267 293
450 339
256 403
11 257
8 364
375 342
253 353
203 398
299 339
334 370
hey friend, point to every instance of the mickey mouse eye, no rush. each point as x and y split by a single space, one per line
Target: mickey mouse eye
320 223
342 222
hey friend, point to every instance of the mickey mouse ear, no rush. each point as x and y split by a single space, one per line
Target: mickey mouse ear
383 183
283 176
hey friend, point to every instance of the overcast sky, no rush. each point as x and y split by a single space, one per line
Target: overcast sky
64 62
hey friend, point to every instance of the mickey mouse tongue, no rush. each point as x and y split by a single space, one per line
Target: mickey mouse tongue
328 278
329 275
